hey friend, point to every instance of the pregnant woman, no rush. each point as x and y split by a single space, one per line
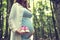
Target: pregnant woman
20 21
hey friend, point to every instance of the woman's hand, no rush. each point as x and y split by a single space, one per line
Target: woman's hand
21 32
18 31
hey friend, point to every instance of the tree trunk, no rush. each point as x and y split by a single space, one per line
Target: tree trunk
56 7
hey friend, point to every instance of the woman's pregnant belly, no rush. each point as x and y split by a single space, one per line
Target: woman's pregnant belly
27 22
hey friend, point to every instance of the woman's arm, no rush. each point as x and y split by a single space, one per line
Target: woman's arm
15 17
11 20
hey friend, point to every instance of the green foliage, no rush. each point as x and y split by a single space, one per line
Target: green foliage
43 18
4 11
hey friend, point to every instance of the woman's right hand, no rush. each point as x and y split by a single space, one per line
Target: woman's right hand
18 31
21 32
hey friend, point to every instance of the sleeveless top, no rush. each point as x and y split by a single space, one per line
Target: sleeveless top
26 21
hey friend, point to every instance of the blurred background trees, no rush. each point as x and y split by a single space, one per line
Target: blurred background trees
45 19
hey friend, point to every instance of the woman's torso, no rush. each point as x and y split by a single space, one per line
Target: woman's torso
26 20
